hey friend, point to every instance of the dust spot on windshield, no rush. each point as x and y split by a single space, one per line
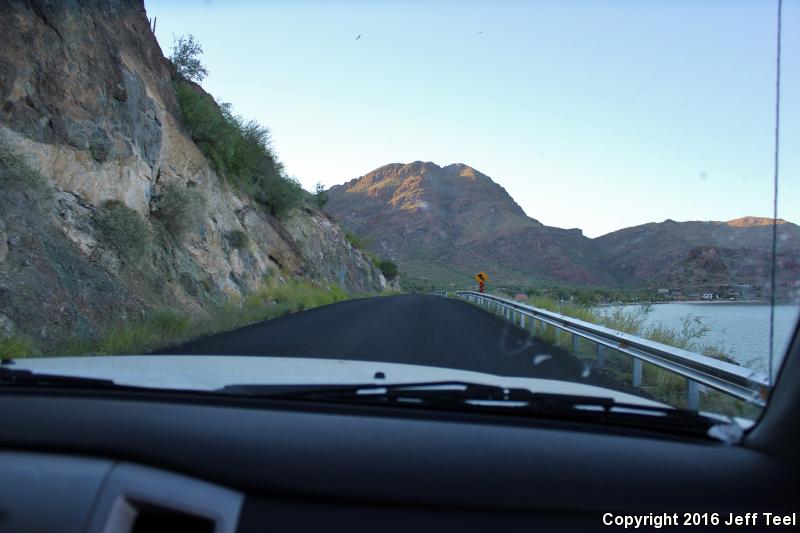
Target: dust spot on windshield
541 358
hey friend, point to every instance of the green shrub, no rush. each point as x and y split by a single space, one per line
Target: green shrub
157 328
207 126
17 346
301 294
357 242
168 322
238 239
320 196
238 150
17 171
99 149
185 58
180 208
389 269
123 229
280 195
75 345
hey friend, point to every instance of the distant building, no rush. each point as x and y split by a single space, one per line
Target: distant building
663 291
710 296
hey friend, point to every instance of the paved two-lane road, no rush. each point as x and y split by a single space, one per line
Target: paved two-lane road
415 329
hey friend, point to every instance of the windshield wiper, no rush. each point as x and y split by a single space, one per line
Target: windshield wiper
475 397
441 395
27 378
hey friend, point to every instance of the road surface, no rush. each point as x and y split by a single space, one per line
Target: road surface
415 329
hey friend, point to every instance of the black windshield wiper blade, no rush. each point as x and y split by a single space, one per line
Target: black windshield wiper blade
474 397
438 389
442 392
28 378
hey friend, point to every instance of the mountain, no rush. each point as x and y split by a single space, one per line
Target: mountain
695 254
88 116
446 223
449 222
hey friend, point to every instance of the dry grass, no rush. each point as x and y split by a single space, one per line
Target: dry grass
165 327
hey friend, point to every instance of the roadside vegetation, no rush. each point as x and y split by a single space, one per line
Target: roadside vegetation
180 208
123 230
320 196
658 383
185 57
18 346
165 327
239 150
238 239
17 173
387 267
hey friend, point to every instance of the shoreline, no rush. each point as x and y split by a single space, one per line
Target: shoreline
700 302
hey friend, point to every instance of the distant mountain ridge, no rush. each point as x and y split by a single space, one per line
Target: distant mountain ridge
445 223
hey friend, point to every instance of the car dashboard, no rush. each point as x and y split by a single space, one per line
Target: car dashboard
75 462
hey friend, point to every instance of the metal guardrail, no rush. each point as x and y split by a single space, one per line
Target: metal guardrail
439 293
730 379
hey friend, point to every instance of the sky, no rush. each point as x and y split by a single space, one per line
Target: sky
591 114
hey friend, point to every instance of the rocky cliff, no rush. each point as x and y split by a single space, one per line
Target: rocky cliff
88 114
446 223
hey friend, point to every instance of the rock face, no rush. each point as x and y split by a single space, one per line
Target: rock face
86 99
446 223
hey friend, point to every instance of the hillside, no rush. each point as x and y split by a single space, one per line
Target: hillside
696 254
446 223
109 209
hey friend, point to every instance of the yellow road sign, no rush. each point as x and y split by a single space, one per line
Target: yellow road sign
481 277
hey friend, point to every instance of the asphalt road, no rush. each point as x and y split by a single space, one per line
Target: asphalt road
416 329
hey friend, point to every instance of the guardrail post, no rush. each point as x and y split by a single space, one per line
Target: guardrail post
575 340
522 320
692 395
637 372
601 355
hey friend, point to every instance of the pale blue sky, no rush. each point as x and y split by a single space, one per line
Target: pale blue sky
598 115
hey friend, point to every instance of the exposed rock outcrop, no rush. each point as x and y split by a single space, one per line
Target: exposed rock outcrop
86 98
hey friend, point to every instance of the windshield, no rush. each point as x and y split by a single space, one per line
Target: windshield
584 199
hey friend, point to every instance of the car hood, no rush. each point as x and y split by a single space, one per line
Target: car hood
210 372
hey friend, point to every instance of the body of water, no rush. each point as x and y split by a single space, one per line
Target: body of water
742 327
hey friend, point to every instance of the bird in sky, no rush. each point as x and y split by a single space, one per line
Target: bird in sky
480 31
359 37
